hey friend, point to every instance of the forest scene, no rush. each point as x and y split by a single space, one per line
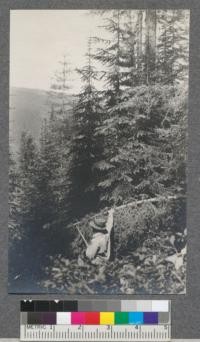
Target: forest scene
116 140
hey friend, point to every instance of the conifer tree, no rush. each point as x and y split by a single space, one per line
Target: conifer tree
28 166
119 71
172 52
22 210
110 54
59 88
14 200
86 146
128 63
133 124
119 123
48 164
54 151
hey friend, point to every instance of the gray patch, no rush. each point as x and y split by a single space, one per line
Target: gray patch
163 317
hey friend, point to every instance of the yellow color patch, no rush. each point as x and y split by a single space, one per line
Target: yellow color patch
107 318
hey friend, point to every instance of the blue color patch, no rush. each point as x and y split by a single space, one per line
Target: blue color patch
136 318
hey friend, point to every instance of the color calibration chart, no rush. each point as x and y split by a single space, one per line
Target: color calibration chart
95 320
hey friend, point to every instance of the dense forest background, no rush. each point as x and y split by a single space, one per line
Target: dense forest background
121 139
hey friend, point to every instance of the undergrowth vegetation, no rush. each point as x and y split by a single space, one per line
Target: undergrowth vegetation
145 261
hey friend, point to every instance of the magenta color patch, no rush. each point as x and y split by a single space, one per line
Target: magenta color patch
78 317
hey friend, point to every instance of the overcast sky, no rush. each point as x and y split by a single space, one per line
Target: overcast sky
39 39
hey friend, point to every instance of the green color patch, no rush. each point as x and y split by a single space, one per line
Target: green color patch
121 317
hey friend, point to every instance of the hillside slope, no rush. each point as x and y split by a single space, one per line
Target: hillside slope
28 108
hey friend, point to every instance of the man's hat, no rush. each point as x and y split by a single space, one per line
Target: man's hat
98 223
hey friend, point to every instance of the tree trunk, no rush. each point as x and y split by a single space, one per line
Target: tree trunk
150 45
118 54
139 46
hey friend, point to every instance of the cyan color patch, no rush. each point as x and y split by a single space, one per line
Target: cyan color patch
136 318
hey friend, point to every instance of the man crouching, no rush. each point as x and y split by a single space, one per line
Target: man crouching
99 248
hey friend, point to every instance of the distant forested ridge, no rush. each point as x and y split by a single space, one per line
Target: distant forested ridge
122 138
28 108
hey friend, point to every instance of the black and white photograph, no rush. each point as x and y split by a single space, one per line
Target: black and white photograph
98 129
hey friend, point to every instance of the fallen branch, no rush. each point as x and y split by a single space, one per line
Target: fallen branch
149 200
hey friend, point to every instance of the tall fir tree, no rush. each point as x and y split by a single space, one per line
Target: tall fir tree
128 63
110 54
172 52
118 58
23 257
15 228
134 121
86 146
55 142
48 165
28 167
59 88
54 160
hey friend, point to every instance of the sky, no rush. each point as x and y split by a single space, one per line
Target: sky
40 38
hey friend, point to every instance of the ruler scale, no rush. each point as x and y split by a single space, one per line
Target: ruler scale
133 321
95 333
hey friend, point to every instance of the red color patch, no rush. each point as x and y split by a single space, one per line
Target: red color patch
92 318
